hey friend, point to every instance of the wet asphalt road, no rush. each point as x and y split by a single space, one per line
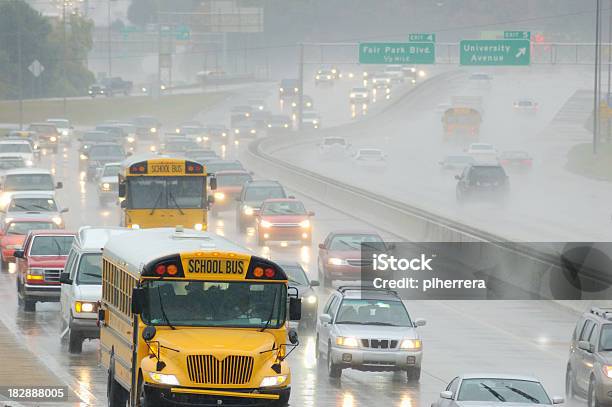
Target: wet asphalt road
510 337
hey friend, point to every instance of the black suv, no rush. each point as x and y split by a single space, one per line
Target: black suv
251 197
480 180
589 368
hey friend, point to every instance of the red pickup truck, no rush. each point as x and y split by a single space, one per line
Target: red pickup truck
39 265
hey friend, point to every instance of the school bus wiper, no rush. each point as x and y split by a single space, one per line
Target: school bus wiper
171 195
157 201
163 311
271 312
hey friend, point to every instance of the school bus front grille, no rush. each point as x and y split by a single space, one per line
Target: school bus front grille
207 369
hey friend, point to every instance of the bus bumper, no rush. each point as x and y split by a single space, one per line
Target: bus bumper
189 396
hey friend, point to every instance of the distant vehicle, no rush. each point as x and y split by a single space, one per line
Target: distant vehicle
311 120
99 154
13 233
480 76
483 152
239 114
334 71
218 132
245 128
81 288
174 145
370 157
251 197
48 135
461 122
147 126
202 155
516 159
308 103
283 219
108 183
120 133
381 79
9 162
590 358
340 255
22 134
526 105
130 136
411 73
359 95
39 265
20 148
214 166
482 181
257 104
334 146
456 162
65 129
495 390
26 179
229 185
189 123
324 76
260 119
110 87
279 124
90 138
368 330
395 73
288 89
34 205
305 286
195 133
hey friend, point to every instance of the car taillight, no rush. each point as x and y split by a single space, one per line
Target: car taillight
526 162
504 162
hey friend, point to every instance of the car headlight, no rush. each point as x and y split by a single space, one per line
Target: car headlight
164 378
305 224
253 131
162 87
219 196
353 95
83 157
334 261
281 89
106 186
53 139
608 371
84 306
422 74
413 80
102 91
269 126
143 89
296 89
265 224
130 139
152 149
271 381
247 114
318 77
199 139
334 71
286 125
237 131
64 132
224 134
177 130
247 210
153 130
413 69
293 104
198 226
328 76
90 91
315 121
57 220
311 299
347 342
411 344
29 163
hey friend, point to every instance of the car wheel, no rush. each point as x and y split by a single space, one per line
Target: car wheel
333 370
592 396
29 305
75 342
414 374
570 394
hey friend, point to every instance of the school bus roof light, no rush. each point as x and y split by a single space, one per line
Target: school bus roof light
160 270
269 272
172 270
258 272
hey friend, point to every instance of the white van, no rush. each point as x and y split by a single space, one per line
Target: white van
82 285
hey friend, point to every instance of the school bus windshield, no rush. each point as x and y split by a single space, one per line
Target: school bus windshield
215 304
166 192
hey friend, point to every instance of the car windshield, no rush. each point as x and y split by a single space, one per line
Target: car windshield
213 167
295 274
259 194
23 228
15 148
373 312
459 159
145 121
525 103
166 192
42 128
352 242
12 162
462 118
179 145
360 90
105 151
283 208
215 304
111 170
334 140
28 182
605 342
98 137
487 174
484 147
32 204
90 269
232 180
51 245
502 390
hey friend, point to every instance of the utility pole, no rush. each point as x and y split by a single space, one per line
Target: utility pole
64 57
110 49
20 66
597 76
608 128
300 105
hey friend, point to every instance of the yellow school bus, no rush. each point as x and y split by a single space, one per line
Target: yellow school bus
162 191
462 122
189 318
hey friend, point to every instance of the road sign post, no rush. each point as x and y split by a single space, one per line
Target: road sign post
495 52
397 53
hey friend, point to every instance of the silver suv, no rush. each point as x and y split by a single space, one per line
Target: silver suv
368 330
589 369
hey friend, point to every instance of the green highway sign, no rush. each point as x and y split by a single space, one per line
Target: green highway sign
397 53
494 52
517 35
422 37
182 32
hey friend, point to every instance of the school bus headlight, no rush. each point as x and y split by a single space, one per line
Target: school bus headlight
135 226
265 224
305 224
164 378
84 306
219 196
247 210
271 381
198 226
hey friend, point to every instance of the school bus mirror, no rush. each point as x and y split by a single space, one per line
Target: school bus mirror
137 300
213 183
149 333
295 309
122 190
101 316
293 336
